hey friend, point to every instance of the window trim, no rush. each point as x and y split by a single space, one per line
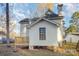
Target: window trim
42 33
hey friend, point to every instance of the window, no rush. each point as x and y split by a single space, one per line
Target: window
42 33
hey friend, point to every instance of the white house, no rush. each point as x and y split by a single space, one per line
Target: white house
74 37
43 31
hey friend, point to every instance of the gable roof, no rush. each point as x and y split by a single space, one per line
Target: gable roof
44 20
26 21
34 19
50 15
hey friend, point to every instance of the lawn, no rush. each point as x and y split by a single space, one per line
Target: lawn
39 52
10 51
69 50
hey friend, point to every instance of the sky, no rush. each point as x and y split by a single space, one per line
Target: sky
19 11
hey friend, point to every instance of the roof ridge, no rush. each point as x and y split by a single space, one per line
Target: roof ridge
45 20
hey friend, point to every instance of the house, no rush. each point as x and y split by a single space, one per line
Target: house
43 31
72 37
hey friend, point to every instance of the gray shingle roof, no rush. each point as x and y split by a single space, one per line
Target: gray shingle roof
26 20
34 19
48 15
45 20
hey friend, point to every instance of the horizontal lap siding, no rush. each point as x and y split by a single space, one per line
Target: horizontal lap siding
51 34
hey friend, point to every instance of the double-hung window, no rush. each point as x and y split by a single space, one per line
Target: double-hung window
42 33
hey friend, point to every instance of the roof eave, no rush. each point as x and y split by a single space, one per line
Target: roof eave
45 20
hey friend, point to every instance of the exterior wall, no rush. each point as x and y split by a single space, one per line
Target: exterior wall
57 21
51 34
61 32
61 25
24 32
62 28
73 38
59 36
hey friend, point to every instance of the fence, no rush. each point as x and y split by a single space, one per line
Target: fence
21 41
77 46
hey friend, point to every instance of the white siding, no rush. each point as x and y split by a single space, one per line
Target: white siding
23 30
74 38
51 34
57 21
59 33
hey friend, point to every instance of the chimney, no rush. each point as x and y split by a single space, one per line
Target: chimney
60 9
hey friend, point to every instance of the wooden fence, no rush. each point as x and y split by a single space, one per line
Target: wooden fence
21 41
71 45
